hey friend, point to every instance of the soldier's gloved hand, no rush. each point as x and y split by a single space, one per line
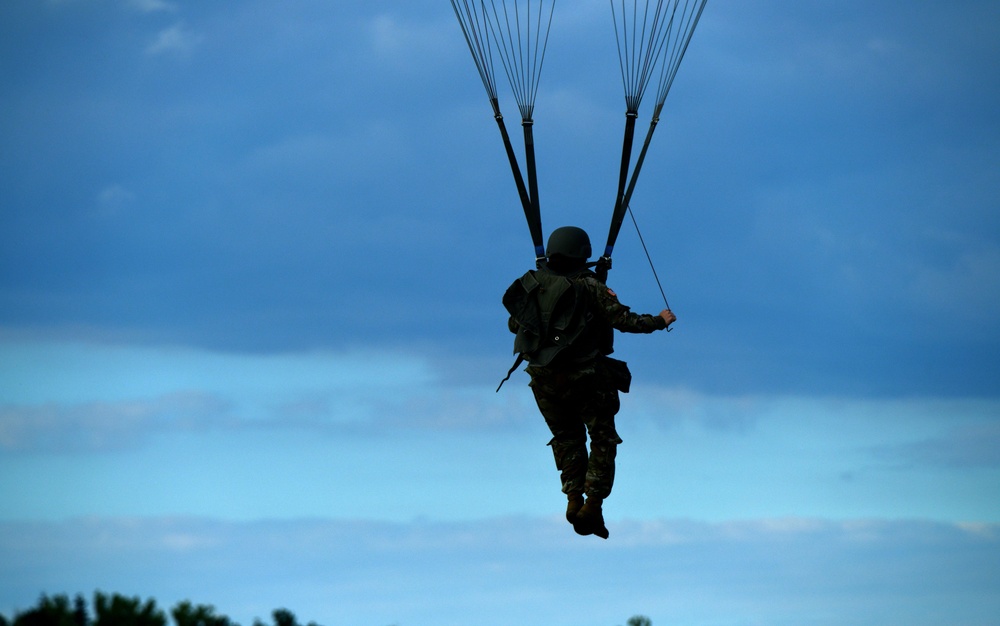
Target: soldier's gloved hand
668 316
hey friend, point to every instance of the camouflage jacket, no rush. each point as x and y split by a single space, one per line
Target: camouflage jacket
616 314
599 308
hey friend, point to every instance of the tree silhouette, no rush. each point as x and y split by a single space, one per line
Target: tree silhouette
51 611
283 617
80 611
112 610
117 610
186 614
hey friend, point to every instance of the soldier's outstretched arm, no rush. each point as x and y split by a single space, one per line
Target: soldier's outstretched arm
620 316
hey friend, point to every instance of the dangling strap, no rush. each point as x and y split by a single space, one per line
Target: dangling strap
520 359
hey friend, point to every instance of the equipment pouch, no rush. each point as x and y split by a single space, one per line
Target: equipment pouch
618 373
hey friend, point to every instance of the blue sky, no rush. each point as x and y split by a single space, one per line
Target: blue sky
251 257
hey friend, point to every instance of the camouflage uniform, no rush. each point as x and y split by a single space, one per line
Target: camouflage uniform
578 395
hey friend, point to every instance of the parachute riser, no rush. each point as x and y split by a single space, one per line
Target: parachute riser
529 202
618 213
535 219
625 194
670 28
642 155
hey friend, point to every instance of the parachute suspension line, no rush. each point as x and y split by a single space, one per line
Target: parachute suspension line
690 16
521 49
522 53
638 58
688 22
649 259
477 39
642 41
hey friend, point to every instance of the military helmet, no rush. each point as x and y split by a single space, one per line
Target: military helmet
569 242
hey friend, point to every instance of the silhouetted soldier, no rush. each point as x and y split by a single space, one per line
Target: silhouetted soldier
564 317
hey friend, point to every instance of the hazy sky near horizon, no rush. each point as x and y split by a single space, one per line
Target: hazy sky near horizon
251 260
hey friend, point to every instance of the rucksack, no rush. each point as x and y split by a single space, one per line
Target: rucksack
551 312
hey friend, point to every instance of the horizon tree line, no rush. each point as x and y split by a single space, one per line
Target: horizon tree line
120 610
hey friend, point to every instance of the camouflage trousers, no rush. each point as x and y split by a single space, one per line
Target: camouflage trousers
574 404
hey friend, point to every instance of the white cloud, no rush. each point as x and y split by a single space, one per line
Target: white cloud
331 407
408 44
968 288
113 200
152 6
101 426
707 456
780 572
972 445
177 39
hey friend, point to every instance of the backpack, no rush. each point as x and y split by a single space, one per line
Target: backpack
551 312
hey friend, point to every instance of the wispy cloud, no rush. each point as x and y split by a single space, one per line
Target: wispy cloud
152 6
102 390
114 200
113 425
177 39
969 446
104 426
323 118
971 277
775 571
397 38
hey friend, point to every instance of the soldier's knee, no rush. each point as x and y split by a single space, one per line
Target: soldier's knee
603 433
568 452
567 443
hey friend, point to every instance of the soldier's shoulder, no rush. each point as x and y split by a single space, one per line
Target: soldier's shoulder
589 278
596 285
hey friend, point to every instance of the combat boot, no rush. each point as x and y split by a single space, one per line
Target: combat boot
590 519
574 506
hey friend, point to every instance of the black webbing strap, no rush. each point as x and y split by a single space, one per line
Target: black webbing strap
520 359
